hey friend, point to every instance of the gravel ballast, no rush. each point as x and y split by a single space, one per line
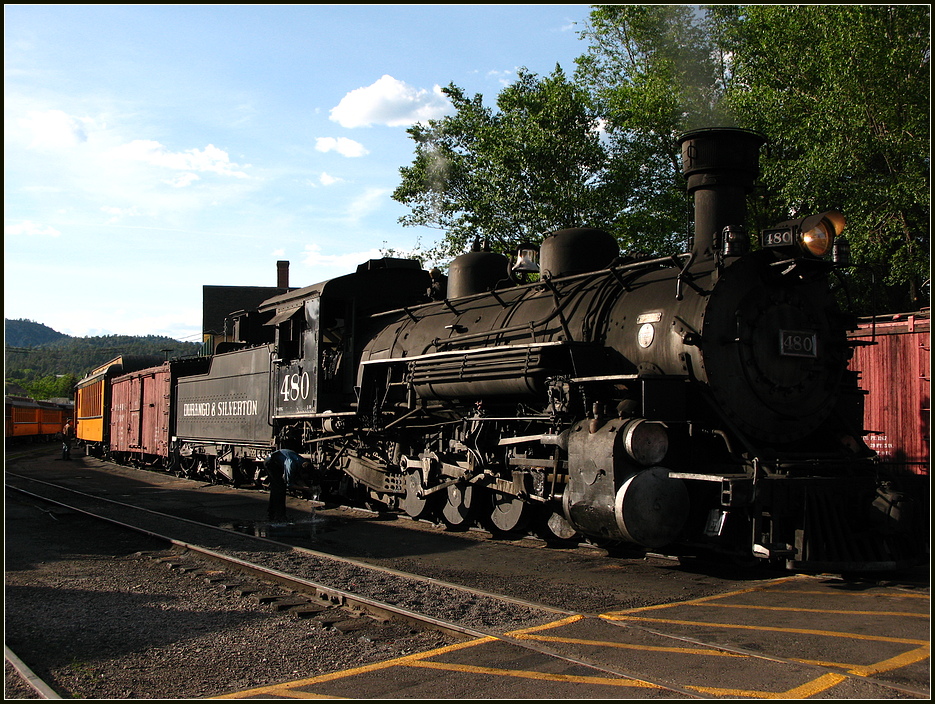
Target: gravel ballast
94 618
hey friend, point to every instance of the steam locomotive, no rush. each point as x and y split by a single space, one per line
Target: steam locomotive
692 403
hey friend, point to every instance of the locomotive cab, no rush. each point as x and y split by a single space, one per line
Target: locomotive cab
316 329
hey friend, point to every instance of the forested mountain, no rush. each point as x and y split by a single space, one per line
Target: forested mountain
45 363
26 333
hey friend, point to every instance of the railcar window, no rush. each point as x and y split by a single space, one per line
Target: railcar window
90 401
23 415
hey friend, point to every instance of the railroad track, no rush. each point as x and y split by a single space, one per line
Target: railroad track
228 547
446 608
316 585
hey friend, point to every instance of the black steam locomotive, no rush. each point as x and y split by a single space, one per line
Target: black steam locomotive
689 403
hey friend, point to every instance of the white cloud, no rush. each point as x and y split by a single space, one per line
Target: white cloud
338 264
182 180
390 102
369 201
209 159
118 213
503 77
32 229
341 145
54 129
327 179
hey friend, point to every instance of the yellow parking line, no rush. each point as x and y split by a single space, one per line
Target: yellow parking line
893 663
373 667
837 592
817 611
289 694
633 646
801 631
546 626
532 674
700 600
809 689
907 658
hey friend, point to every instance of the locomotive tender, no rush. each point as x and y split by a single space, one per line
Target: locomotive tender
685 403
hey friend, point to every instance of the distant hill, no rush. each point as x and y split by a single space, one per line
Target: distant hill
26 333
34 350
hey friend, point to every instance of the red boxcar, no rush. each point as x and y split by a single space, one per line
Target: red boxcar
896 373
140 416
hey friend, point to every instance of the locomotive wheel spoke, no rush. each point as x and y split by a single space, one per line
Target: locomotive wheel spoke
509 512
413 504
458 507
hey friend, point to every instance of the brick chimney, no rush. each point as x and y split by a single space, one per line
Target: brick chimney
282 274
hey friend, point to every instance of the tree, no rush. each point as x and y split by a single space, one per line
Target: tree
651 71
843 93
532 166
53 386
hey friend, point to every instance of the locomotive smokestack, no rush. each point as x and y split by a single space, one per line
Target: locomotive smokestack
282 274
721 165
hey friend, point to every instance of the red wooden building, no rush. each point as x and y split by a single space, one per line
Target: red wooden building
896 373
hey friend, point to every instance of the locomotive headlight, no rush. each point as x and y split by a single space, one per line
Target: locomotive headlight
813 235
818 232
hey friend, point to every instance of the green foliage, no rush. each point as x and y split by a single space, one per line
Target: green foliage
840 91
28 333
47 369
843 93
510 175
52 386
650 70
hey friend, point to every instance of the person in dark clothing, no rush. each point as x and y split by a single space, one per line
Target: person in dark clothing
66 441
283 468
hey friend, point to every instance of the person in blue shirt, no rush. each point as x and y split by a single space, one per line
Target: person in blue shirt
283 468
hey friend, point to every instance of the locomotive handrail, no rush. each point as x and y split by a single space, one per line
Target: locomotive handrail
613 269
531 325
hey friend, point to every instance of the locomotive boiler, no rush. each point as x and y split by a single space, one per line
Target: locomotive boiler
699 400
686 404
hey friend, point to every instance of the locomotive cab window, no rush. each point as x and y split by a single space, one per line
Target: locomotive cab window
334 334
289 328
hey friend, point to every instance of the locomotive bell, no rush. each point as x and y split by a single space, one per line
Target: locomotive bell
577 251
527 259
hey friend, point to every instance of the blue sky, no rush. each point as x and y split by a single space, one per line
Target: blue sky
154 149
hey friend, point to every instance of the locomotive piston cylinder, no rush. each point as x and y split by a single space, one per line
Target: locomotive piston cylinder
612 493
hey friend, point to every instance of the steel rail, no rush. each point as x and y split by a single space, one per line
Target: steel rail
306 551
350 600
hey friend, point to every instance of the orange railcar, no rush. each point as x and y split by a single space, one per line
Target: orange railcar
29 420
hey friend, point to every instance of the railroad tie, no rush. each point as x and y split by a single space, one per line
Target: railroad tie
266 598
309 610
289 603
